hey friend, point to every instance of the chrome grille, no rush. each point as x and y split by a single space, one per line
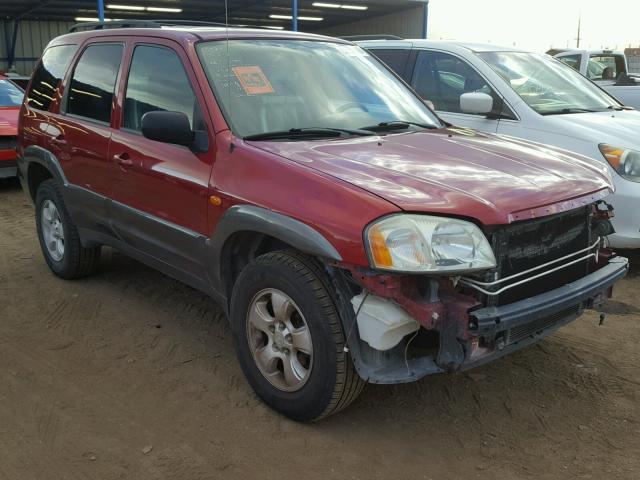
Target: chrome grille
529 255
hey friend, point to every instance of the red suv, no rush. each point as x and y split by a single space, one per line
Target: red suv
349 234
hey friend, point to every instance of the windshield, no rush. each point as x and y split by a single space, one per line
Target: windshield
547 85
10 95
279 85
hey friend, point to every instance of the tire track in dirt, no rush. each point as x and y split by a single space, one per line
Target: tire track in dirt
76 401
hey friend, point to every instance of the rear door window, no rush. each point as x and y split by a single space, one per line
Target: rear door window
441 78
92 86
572 60
396 59
47 76
158 82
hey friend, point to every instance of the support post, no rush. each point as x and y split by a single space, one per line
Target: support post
101 11
425 19
294 16
11 54
7 41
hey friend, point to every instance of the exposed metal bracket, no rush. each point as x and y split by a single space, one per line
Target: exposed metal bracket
477 285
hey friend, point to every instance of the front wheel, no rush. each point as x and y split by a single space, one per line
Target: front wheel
289 337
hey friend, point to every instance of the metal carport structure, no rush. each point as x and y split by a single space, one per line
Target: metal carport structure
27 25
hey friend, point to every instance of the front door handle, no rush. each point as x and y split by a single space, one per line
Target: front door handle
123 159
59 140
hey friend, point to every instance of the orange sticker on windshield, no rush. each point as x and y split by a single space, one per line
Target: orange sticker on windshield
253 80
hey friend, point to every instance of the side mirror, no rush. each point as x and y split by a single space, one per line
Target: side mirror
429 104
168 127
476 102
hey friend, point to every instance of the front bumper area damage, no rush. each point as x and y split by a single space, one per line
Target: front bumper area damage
457 330
497 331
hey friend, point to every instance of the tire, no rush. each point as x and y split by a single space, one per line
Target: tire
325 381
71 260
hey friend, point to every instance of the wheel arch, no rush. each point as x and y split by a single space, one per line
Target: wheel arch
37 165
246 231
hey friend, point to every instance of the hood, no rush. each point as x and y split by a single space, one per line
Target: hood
9 121
457 172
617 128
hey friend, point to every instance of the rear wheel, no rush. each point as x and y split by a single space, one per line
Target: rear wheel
58 236
289 337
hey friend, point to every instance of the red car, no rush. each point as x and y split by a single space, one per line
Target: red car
10 100
349 234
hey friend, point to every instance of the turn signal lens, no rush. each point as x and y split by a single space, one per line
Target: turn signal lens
379 250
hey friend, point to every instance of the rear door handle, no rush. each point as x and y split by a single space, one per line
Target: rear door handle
123 159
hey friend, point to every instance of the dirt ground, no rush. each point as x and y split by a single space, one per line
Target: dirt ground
131 375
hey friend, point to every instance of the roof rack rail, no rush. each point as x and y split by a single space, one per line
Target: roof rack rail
358 38
142 24
114 24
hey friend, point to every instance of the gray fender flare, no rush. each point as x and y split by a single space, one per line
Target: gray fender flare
36 154
250 218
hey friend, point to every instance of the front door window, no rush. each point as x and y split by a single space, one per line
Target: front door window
442 78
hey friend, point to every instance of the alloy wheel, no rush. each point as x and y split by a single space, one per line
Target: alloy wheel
280 340
52 230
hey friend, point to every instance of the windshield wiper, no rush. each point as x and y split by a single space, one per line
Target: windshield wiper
313 132
570 110
619 108
396 125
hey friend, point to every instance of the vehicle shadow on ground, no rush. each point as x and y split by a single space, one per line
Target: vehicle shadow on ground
634 260
9 185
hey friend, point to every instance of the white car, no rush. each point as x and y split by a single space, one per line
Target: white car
530 96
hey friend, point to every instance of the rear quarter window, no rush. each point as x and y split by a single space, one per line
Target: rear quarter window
47 76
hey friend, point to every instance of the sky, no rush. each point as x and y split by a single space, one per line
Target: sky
537 24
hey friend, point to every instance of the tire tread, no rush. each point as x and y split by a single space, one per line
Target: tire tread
348 385
81 261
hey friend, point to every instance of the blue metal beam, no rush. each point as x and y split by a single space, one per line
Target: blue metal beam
7 42
32 8
20 59
101 11
425 19
294 16
11 54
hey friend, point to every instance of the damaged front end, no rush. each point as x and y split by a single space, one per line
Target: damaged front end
547 271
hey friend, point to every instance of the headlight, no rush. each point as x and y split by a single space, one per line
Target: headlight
624 161
423 243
